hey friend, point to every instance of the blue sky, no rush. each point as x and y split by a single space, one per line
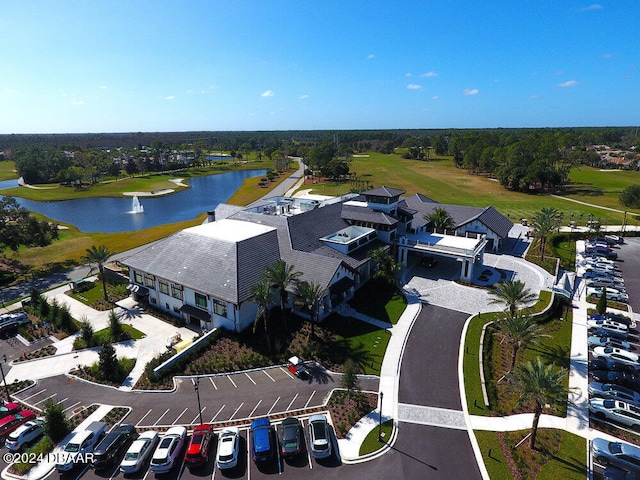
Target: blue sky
119 66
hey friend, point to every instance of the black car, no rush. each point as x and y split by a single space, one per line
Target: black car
113 445
290 437
630 380
603 363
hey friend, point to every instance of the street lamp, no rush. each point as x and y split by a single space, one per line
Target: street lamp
380 419
196 384
4 379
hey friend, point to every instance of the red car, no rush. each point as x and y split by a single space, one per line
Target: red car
10 423
198 449
9 409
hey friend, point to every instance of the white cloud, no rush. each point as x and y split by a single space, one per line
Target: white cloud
170 97
608 55
213 87
10 91
302 97
268 93
77 102
471 91
408 75
595 6
435 97
413 86
534 96
371 56
103 87
429 74
570 83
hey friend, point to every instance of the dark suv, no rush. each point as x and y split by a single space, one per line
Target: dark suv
113 445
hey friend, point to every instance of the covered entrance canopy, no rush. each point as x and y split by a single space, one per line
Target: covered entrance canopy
196 312
469 250
138 289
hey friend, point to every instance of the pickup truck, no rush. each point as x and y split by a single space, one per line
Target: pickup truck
80 447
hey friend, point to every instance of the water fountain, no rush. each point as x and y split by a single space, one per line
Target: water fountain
136 206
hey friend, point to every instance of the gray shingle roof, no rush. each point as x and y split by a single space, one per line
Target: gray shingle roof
213 265
384 192
365 214
495 221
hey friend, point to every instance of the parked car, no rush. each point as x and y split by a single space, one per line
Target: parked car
290 437
228 448
615 473
617 239
611 294
9 409
616 410
113 445
198 450
614 392
630 380
12 422
608 325
607 283
618 454
594 341
262 440
603 363
319 436
139 452
602 332
81 443
619 355
614 318
168 450
592 272
602 252
24 435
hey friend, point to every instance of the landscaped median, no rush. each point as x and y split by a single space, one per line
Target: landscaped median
558 454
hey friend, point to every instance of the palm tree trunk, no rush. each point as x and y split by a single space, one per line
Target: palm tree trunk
283 309
516 347
534 427
543 244
104 283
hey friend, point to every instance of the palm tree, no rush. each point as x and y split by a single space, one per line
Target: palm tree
439 219
262 296
513 294
99 255
519 331
280 276
543 224
540 384
309 296
387 266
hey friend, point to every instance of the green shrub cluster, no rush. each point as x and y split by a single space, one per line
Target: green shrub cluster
57 316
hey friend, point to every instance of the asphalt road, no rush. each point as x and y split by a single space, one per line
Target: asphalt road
629 264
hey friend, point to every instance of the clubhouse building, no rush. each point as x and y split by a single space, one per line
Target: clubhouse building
204 274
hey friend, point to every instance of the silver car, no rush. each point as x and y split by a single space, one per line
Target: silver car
139 451
619 454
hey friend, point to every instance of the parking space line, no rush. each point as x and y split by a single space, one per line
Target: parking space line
198 415
249 377
267 374
174 422
309 401
68 408
213 383
273 406
63 400
294 399
234 413
232 382
306 445
286 370
255 408
45 399
162 416
31 396
214 417
145 416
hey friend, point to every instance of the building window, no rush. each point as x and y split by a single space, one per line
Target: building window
149 281
201 300
164 287
176 309
152 300
176 291
137 277
219 308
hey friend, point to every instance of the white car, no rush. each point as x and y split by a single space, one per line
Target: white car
612 294
621 412
608 283
619 355
24 434
228 448
594 341
139 451
608 325
589 260
168 450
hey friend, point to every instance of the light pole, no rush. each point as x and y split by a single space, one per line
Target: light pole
196 384
380 419
4 379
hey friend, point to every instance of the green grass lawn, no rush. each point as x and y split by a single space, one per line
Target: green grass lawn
104 335
371 443
380 301
366 343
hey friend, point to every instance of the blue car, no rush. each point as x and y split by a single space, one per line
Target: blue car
262 437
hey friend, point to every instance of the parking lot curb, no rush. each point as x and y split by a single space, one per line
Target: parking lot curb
378 453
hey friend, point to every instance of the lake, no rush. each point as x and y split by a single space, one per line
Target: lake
106 214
